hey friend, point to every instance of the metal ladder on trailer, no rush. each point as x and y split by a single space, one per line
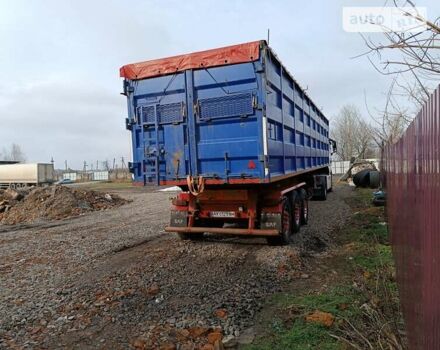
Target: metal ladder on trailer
151 160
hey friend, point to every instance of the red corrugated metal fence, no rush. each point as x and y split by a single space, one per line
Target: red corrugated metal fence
412 173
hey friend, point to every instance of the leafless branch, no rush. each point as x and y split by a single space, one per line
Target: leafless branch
413 62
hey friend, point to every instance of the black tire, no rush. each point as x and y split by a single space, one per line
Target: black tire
361 179
304 207
274 240
323 195
191 236
365 180
296 211
374 179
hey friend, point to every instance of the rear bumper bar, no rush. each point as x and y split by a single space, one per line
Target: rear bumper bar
223 231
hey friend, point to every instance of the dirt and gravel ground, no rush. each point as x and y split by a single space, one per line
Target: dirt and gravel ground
114 280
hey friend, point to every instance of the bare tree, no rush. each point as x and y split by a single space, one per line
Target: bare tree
417 53
14 153
105 165
413 61
352 134
389 123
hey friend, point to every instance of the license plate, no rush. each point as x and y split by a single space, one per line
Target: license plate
222 214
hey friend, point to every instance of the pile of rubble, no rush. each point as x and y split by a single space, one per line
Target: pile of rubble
51 203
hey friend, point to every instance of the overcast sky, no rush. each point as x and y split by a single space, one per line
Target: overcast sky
59 62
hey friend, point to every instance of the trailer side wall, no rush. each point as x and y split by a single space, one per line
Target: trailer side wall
297 132
237 123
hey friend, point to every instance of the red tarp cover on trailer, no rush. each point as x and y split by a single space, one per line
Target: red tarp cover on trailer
241 53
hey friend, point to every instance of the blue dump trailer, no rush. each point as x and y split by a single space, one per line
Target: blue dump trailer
236 132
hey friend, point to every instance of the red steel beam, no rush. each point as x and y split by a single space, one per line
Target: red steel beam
226 231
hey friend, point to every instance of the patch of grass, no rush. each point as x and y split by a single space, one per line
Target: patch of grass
376 232
374 257
342 301
361 199
300 336
364 282
366 228
327 301
371 250
335 301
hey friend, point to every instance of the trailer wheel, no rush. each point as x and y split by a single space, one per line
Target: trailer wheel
286 222
296 211
323 195
304 207
190 236
285 236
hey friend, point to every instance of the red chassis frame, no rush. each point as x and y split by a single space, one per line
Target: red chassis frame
247 208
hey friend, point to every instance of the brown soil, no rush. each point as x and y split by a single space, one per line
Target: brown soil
52 203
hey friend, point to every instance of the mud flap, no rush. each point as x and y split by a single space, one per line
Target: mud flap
179 218
270 221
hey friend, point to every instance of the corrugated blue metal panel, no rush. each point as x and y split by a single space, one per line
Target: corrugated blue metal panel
302 141
227 121
242 121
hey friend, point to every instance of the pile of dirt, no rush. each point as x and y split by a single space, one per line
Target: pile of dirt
51 203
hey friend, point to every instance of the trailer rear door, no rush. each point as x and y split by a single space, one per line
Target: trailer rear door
227 133
198 122
160 122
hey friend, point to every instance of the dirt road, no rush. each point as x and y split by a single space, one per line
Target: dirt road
114 279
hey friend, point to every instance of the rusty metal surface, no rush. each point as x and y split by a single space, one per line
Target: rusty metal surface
412 173
224 231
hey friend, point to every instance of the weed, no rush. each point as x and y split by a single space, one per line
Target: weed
365 303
